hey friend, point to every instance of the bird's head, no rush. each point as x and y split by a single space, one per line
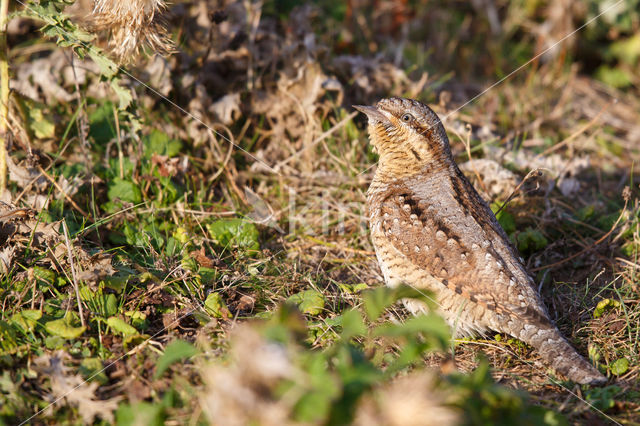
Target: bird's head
407 134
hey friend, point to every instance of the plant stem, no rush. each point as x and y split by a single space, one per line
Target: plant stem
4 92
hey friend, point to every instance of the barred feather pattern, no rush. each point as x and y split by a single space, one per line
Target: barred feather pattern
432 230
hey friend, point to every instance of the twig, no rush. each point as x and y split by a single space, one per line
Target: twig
225 161
73 270
515 191
66 196
4 93
577 132
581 252
317 140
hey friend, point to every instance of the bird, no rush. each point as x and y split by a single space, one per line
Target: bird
431 230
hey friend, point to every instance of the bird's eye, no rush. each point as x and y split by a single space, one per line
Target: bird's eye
407 117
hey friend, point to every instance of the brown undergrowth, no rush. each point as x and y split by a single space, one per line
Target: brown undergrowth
238 184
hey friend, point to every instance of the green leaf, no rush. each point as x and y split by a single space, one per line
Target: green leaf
124 94
620 366
505 219
309 301
39 122
602 398
614 77
209 275
603 306
105 305
26 319
435 329
142 413
627 50
215 306
54 342
121 326
531 240
234 232
175 351
108 68
42 274
116 283
110 304
102 126
352 324
7 336
65 327
160 143
92 370
379 299
124 190
138 319
352 288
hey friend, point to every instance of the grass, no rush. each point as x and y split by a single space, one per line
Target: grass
199 281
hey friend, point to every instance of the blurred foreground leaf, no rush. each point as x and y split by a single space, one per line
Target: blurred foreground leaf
175 351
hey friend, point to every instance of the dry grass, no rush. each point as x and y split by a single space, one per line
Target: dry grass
299 166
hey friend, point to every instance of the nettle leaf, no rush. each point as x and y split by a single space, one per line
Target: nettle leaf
66 327
309 301
620 366
175 351
120 325
379 299
124 190
435 334
352 324
234 233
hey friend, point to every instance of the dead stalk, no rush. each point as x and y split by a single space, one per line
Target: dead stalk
73 270
119 141
4 92
59 188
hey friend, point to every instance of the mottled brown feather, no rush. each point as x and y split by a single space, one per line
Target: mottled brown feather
432 230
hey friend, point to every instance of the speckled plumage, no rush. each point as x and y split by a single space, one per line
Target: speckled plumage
432 230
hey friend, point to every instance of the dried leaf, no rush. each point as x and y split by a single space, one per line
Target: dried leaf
71 389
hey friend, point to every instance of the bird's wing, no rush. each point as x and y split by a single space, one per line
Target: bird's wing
463 247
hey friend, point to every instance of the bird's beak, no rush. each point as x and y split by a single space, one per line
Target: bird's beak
373 113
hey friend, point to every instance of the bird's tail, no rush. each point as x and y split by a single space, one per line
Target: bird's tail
556 351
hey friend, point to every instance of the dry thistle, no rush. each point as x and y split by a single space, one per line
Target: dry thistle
132 25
